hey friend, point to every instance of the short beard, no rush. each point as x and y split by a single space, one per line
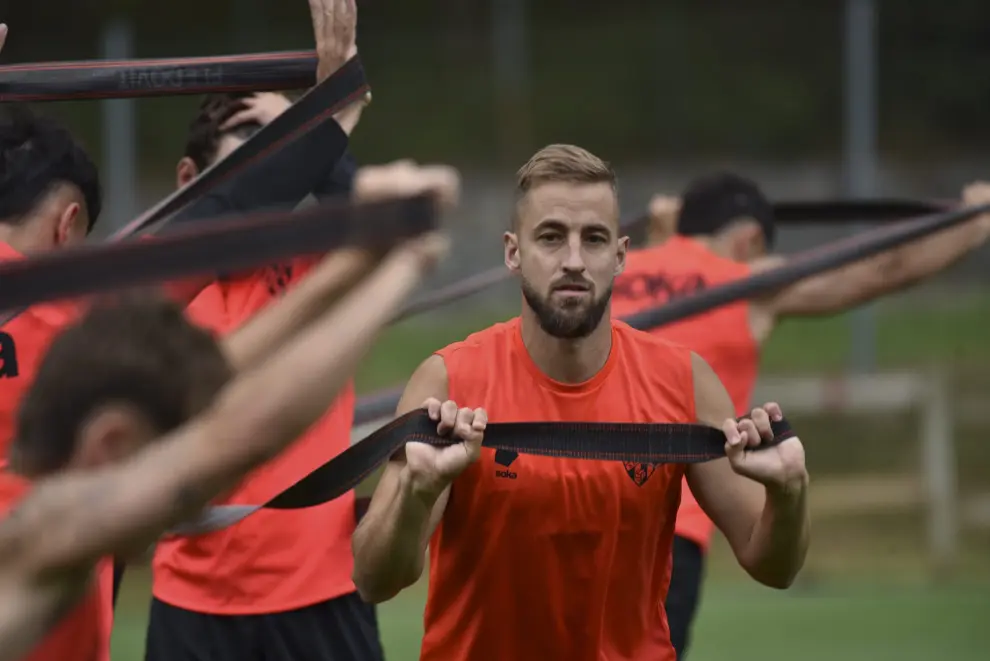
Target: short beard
557 323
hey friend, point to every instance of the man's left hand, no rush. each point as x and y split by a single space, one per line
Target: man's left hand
780 467
335 29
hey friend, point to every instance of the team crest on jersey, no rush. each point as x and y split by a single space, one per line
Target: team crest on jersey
639 473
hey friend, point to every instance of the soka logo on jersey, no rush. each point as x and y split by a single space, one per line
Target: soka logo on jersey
658 287
505 458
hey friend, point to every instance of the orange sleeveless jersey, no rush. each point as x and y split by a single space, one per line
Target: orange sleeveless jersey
271 561
84 634
539 558
722 337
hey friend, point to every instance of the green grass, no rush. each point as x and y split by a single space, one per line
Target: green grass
739 621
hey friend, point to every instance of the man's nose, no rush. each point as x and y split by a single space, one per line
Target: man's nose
574 259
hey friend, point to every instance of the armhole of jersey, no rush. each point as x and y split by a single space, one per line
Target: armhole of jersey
446 355
689 389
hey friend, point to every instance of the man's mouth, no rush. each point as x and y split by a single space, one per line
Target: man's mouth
573 287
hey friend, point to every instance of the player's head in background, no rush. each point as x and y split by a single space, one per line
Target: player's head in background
564 242
222 124
731 213
127 372
49 187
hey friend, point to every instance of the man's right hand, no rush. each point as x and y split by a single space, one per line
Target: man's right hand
3 35
431 469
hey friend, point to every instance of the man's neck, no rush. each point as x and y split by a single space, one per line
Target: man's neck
709 242
567 361
18 238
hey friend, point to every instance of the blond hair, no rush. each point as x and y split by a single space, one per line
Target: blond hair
561 163
564 163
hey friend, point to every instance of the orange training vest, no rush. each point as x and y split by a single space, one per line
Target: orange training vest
722 337
539 558
272 561
84 634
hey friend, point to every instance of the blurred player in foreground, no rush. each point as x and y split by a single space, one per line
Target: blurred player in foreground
129 374
536 558
722 229
50 198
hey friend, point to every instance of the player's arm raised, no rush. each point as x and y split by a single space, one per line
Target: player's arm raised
884 273
408 503
758 499
67 522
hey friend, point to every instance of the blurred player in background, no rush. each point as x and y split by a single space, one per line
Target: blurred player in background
722 229
279 583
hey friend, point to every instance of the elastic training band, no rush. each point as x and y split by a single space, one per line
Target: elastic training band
785 213
318 105
230 244
122 79
878 210
812 262
798 267
626 442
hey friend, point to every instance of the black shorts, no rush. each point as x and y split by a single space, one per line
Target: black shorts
341 629
685 588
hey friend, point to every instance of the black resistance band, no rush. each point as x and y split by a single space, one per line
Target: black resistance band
626 442
237 243
121 79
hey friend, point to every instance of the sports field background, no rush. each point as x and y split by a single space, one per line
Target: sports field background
868 592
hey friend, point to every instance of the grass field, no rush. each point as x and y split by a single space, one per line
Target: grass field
865 594
745 623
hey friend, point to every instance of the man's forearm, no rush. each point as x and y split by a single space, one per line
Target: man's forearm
390 542
921 259
779 543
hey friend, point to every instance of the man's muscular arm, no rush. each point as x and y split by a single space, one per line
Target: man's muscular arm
887 272
69 521
767 527
390 542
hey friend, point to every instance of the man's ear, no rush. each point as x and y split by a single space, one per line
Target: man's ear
621 251
511 245
68 224
185 172
744 240
107 435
